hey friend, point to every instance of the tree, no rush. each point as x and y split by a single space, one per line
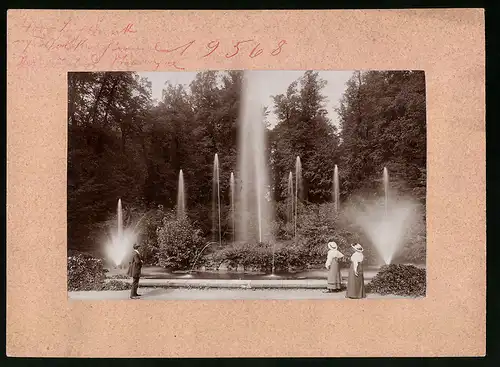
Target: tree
383 123
106 112
304 130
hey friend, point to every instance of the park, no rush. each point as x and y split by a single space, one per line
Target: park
229 198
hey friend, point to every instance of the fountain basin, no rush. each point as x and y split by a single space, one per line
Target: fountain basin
158 273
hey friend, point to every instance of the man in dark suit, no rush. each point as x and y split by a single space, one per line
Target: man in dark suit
134 271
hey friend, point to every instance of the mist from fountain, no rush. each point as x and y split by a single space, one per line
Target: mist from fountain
121 239
385 221
181 198
254 207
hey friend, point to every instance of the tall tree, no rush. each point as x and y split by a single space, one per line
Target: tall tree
383 121
304 130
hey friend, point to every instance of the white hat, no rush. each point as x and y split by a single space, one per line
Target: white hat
332 245
357 247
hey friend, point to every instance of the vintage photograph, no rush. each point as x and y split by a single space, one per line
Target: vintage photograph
239 184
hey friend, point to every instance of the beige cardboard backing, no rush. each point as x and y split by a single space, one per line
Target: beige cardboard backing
44 45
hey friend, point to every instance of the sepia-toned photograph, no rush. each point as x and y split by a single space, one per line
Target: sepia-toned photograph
231 184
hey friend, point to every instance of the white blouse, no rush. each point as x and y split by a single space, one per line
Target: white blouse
357 257
331 255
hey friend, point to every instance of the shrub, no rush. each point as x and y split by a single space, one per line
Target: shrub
401 280
259 256
150 223
115 285
118 276
85 272
178 243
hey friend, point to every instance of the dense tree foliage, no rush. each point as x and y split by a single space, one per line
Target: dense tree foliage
122 145
383 123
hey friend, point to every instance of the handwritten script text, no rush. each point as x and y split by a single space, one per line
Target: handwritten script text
97 45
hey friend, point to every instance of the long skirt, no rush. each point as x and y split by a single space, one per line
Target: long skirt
334 277
356 284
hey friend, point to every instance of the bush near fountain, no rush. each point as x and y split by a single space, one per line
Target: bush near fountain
178 243
257 257
85 272
115 285
400 280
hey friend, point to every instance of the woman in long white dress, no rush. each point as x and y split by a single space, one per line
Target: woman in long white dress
332 264
356 281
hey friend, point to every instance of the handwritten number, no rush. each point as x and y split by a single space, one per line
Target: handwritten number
185 47
213 48
237 48
277 50
256 51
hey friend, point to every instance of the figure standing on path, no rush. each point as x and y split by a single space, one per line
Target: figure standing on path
134 271
332 264
356 281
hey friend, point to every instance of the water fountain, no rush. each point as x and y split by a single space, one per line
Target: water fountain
298 184
253 203
121 239
386 189
290 197
181 199
232 188
216 227
119 216
336 195
385 221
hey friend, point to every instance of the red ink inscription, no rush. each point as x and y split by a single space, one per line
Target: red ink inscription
95 29
183 47
70 43
212 45
25 62
256 51
129 28
173 63
65 25
277 50
95 58
237 48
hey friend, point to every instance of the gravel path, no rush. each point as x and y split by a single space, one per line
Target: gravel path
217 294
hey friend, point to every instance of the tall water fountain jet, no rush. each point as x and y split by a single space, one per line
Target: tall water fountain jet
232 192
290 197
181 199
119 244
119 215
216 227
298 187
336 195
386 189
253 203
